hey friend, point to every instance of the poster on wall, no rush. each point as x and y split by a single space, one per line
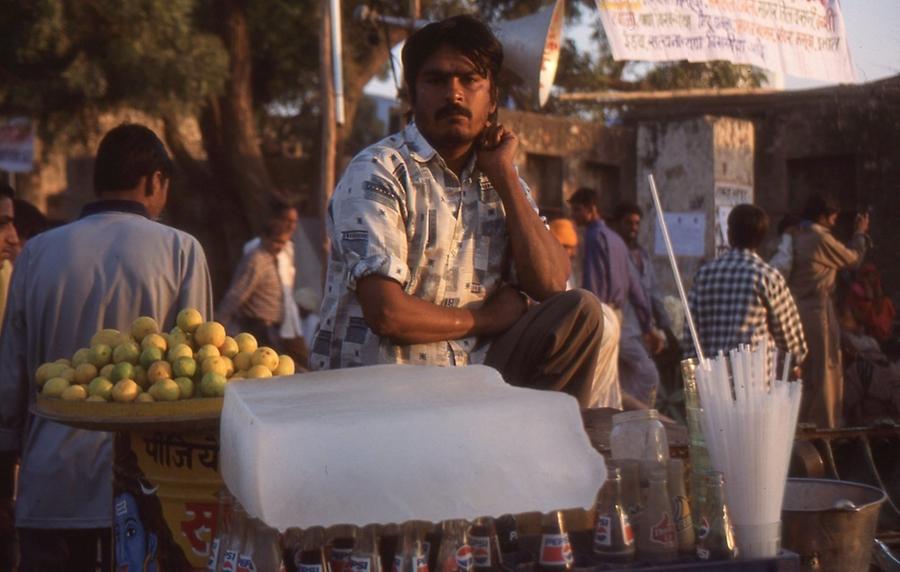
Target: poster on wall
687 232
804 38
727 196
16 144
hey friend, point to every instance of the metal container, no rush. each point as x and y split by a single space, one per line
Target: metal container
830 524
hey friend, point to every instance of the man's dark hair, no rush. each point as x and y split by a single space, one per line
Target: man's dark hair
747 226
127 153
818 206
465 34
278 205
7 192
29 220
585 197
626 208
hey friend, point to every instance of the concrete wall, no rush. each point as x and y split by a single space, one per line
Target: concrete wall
693 162
590 154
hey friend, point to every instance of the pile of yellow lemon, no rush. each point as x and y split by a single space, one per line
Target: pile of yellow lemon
195 359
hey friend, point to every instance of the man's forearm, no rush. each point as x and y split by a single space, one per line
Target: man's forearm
405 319
540 261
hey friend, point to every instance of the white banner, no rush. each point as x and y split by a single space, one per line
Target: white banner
16 145
804 38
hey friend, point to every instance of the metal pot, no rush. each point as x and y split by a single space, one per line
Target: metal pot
830 524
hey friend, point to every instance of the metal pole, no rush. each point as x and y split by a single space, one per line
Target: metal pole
336 61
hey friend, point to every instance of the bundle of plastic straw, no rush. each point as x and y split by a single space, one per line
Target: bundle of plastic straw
749 420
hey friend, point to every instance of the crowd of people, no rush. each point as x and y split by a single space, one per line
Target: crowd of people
438 257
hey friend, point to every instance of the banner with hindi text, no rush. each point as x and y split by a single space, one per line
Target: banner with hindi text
804 38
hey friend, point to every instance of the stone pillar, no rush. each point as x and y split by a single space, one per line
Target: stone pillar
703 167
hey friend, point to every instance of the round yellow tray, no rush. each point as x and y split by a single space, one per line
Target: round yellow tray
199 414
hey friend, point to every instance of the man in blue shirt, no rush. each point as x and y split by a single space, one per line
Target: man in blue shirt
608 273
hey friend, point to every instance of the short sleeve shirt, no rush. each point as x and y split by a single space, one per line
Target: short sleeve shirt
399 212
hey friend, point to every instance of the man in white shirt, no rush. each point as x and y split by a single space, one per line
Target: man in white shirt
283 212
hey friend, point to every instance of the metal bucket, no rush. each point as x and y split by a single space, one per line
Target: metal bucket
830 524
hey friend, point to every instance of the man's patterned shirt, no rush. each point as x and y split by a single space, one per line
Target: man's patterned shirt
399 212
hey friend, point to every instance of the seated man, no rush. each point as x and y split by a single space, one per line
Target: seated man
435 238
739 299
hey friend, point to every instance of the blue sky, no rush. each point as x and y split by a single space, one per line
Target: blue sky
873 31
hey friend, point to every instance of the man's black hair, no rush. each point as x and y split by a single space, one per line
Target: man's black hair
626 208
7 192
465 34
127 153
747 226
30 221
585 197
278 205
819 205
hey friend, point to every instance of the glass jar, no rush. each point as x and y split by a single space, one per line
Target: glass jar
639 435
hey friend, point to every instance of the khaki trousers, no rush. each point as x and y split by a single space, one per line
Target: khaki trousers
554 345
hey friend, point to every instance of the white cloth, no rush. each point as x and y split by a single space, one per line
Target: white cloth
102 271
605 392
783 259
290 325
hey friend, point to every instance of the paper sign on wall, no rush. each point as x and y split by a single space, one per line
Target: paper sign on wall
687 232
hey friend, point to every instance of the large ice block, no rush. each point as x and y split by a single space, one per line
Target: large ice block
396 443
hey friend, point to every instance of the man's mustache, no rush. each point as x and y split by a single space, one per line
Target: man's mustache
450 110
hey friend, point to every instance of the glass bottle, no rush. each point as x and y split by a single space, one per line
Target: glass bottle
507 533
613 537
433 540
455 554
681 508
342 538
366 556
700 462
656 540
410 555
485 545
389 543
639 435
223 526
232 544
310 554
555 553
716 534
290 545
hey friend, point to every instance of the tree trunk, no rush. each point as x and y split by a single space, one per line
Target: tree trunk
228 196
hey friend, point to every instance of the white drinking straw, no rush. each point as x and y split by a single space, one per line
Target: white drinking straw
665 232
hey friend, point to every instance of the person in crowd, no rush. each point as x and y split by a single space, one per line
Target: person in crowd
436 241
872 309
637 367
254 301
607 273
783 258
290 329
739 299
102 271
818 257
606 391
9 242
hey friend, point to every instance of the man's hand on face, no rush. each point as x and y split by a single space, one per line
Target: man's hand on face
496 150
503 308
